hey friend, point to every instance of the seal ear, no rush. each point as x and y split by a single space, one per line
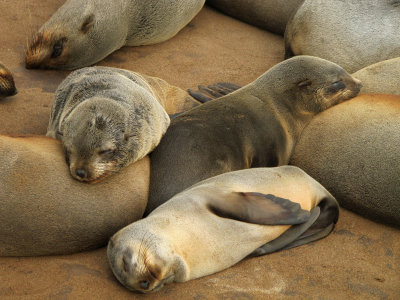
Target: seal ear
259 208
321 222
87 23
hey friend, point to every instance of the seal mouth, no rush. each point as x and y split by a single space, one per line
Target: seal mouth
93 180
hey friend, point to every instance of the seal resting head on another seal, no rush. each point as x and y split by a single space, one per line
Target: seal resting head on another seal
7 85
106 119
255 126
255 212
81 33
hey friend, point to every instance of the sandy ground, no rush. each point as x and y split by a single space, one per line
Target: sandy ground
359 260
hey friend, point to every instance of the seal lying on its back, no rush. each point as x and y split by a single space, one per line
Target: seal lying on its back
7 85
271 15
255 126
81 33
351 33
381 78
44 211
194 233
353 150
108 118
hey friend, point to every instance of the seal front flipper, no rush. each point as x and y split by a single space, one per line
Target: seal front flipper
257 208
321 222
213 91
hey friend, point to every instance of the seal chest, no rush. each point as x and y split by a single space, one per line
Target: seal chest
106 119
254 211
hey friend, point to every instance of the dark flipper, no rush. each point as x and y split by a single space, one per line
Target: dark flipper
213 91
321 222
259 208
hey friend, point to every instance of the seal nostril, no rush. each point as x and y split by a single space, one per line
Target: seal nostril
80 173
144 284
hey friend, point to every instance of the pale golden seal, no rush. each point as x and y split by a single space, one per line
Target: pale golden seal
351 33
220 221
353 150
44 211
108 118
81 33
255 126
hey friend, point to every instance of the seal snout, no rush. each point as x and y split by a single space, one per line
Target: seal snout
81 173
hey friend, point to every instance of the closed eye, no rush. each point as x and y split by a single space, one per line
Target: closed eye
107 152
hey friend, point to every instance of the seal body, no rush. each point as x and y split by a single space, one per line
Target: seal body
106 119
255 126
351 33
353 150
381 78
271 15
194 233
81 33
44 211
7 85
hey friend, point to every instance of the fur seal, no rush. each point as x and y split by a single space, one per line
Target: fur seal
109 117
351 33
81 33
44 211
271 15
352 149
381 78
255 126
7 85
193 234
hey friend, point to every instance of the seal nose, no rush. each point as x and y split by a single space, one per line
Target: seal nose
80 173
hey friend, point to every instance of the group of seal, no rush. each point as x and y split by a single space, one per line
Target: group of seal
7 85
81 33
255 126
186 237
351 33
108 118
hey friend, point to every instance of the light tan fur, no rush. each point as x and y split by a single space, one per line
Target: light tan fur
381 78
353 150
44 211
183 239
352 33
81 33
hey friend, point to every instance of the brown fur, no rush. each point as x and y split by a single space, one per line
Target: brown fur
7 85
44 211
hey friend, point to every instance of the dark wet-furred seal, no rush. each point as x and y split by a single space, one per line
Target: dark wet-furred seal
255 126
352 149
7 85
81 33
220 221
45 211
271 15
108 118
351 33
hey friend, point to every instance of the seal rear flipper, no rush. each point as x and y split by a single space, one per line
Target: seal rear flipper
321 222
213 91
257 208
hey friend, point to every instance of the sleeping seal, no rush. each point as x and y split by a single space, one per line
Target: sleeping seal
108 118
44 211
255 126
351 33
81 33
194 234
352 149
